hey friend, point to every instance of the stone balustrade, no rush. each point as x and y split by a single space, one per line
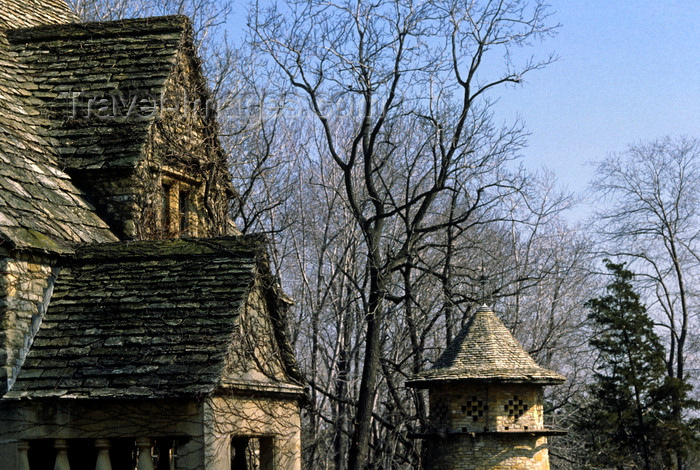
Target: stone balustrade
23 451
62 463
103 460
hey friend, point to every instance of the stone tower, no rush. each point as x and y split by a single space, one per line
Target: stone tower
486 402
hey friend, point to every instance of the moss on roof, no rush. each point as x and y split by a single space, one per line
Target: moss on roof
40 208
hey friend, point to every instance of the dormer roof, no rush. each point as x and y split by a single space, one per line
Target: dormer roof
100 84
151 319
485 351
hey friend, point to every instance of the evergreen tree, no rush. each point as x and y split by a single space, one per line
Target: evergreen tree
628 416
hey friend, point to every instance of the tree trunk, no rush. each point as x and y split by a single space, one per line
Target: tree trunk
359 447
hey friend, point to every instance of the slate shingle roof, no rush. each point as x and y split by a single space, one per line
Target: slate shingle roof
128 319
39 206
22 13
141 319
121 66
48 75
485 351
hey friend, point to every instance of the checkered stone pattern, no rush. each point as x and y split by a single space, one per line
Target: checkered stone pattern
440 414
516 407
475 408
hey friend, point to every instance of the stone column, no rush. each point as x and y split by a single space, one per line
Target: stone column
145 460
23 455
103 461
61 446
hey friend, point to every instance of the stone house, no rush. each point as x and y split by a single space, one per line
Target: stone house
138 328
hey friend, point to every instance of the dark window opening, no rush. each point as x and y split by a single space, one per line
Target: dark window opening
252 453
167 209
176 209
184 212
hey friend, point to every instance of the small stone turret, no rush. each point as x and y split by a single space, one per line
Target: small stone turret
486 402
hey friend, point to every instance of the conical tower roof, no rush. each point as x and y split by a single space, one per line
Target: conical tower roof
485 351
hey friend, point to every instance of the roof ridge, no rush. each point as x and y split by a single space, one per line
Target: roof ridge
168 248
112 28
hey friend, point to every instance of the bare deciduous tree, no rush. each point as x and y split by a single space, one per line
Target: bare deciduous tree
409 79
370 153
652 217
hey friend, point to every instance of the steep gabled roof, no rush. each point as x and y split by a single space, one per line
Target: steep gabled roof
39 206
100 84
485 351
97 96
23 13
142 319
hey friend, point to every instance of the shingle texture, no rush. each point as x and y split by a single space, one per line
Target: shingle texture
485 351
141 319
100 84
22 13
39 206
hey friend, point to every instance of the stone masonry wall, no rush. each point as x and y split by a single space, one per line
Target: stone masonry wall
271 411
25 290
488 452
227 417
484 407
484 427
115 196
135 204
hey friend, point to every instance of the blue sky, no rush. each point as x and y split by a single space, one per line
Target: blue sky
628 72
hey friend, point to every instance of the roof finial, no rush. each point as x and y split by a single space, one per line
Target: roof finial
483 281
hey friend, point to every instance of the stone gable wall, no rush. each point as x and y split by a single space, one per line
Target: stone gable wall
254 354
184 155
26 285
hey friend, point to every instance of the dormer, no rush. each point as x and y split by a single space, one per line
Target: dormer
133 122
